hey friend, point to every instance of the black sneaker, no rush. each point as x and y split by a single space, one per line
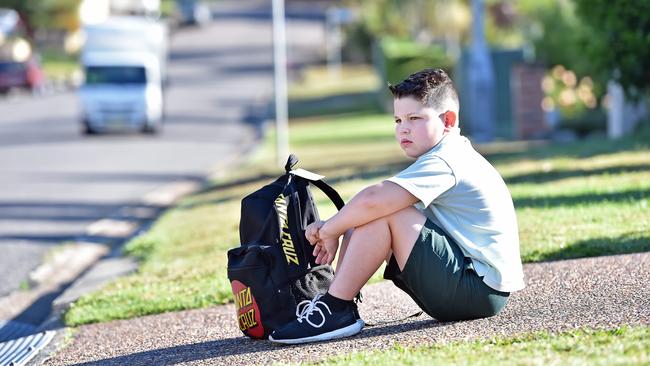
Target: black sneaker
315 322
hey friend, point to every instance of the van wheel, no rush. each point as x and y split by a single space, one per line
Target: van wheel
86 129
151 129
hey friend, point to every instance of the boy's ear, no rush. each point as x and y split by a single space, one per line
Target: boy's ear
449 119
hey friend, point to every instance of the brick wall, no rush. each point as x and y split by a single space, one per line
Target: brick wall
527 95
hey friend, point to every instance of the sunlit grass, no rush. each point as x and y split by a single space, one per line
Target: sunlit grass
584 199
624 346
320 81
57 65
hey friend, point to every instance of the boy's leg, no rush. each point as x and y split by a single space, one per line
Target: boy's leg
370 245
343 247
335 315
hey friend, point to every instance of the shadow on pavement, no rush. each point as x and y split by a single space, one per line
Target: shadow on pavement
205 119
240 346
44 294
73 211
37 312
263 13
221 52
54 239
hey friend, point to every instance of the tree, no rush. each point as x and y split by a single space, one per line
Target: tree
619 45
45 14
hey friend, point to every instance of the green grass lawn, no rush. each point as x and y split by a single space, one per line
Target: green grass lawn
319 82
57 65
624 346
584 199
318 91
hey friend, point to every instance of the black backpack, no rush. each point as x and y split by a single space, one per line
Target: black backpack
274 270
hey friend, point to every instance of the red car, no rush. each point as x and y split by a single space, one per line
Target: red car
19 67
25 75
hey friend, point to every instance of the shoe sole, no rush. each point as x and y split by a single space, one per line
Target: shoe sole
348 331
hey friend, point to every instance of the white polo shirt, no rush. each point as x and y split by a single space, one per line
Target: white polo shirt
463 194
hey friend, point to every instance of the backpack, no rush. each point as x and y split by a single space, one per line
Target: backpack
274 269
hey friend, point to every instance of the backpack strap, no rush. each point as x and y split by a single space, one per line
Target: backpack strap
315 179
331 193
318 181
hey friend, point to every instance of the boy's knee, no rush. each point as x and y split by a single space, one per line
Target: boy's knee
406 216
371 226
409 215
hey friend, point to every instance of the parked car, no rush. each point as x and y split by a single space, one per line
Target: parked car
26 75
19 66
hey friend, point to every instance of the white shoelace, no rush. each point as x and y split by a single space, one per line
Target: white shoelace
308 308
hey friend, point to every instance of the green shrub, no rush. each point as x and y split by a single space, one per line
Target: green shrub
403 57
619 41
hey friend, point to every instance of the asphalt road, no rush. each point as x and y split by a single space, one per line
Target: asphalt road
54 181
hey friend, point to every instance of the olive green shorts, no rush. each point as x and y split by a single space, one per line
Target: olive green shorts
442 281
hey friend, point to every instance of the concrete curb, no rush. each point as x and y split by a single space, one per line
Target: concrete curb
95 257
103 264
109 264
65 266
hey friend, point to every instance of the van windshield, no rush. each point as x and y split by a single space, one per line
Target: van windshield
115 75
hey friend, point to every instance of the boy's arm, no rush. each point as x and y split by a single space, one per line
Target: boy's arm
371 203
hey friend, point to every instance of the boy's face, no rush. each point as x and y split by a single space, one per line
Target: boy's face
418 128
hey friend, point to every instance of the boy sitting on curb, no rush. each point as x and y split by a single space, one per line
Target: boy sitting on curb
445 225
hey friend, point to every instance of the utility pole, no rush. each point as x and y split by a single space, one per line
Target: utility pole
280 83
481 80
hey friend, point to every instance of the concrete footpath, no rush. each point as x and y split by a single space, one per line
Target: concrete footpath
602 292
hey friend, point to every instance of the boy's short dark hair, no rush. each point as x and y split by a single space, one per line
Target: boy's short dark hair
432 87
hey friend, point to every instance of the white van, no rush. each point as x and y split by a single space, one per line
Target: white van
129 34
121 91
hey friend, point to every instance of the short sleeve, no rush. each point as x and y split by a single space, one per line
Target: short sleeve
426 179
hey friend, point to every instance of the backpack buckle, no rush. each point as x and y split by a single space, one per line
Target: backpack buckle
291 162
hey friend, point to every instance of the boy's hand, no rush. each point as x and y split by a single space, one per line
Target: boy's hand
325 248
311 232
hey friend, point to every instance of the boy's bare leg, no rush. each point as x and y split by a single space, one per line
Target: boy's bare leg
370 245
343 247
